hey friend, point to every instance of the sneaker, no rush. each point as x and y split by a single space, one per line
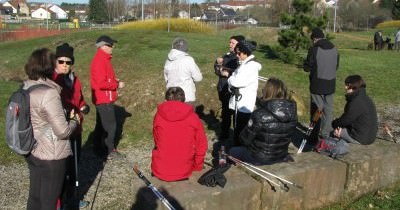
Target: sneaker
83 204
115 155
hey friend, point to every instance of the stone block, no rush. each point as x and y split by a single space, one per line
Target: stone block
240 192
322 178
371 167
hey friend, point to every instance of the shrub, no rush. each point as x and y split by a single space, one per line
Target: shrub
177 25
389 24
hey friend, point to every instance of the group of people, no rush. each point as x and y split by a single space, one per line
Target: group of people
379 41
262 128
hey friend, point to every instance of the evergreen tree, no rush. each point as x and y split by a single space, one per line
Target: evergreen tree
299 25
396 10
98 11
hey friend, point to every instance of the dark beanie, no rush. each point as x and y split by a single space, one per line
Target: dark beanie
317 34
65 50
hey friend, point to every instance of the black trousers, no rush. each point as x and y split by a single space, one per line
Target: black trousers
106 127
45 179
226 114
241 121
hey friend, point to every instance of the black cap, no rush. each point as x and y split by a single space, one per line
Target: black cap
65 50
104 39
317 34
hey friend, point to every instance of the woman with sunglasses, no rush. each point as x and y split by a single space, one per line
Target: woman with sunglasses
243 81
72 100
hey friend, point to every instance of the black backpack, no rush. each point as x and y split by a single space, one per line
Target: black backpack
19 131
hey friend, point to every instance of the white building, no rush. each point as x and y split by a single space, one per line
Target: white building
59 13
41 13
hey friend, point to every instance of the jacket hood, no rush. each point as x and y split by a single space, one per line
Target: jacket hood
324 44
175 54
48 82
284 110
174 110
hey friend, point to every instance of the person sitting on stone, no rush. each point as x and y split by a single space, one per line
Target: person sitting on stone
359 122
180 143
267 135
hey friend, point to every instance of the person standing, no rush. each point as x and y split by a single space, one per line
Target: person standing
104 85
267 136
378 40
359 122
397 40
179 138
244 84
180 70
223 68
72 100
322 63
48 158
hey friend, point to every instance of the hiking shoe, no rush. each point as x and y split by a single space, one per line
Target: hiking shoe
115 155
83 204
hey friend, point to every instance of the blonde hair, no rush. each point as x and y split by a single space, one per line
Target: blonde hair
274 89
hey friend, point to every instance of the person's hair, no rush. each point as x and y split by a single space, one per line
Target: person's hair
238 38
246 47
40 64
274 89
355 82
175 94
180 44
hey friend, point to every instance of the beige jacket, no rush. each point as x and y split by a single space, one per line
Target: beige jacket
50 127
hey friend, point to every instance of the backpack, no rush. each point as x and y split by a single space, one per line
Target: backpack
333 147
19 131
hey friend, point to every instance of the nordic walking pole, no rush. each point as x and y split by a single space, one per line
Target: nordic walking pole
310 128
264 171
154 189
77 200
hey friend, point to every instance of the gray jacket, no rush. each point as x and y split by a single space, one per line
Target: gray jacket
50 127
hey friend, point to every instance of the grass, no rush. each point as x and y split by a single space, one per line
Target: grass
139 58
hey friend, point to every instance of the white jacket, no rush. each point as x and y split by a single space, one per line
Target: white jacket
245 78
180 70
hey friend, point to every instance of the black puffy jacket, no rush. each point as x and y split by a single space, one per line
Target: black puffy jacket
268 133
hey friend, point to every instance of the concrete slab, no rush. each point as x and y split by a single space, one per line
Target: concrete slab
322 178
240 192
371 167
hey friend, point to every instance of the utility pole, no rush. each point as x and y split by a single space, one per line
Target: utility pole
334 20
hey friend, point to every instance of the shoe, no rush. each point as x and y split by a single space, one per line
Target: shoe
83 204
115 155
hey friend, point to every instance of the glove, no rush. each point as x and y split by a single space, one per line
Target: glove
214 177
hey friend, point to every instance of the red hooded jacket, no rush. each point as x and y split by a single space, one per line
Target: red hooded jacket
102 79
180 142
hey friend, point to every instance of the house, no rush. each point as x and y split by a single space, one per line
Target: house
52 12
42 13
18 7
59 13
221 14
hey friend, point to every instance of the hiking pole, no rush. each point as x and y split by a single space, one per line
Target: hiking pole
310 128
237 96
387 130
77 202
284 181
154 189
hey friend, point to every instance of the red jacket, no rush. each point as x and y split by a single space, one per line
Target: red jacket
71 97
180 142
102 79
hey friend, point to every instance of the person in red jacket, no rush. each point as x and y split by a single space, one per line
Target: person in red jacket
104 86
179 138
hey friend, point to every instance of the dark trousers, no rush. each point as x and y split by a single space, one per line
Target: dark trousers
45 179
106 126
226 114
241 121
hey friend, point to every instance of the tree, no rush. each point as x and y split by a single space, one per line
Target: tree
98 11
396 10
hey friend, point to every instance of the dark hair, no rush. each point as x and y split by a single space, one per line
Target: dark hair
175 94
355 82
238 38
40 64
274 89
246 47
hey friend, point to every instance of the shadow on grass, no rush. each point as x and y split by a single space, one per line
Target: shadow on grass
147 200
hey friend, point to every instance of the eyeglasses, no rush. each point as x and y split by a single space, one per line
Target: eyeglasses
66 62
108 45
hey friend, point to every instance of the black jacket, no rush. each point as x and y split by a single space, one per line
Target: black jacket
268 133
359 117
230 63
322 62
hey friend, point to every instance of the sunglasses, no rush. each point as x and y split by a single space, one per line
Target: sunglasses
108 45
66 62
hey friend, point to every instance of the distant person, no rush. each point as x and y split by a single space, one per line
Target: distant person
243 82
180 143
180 70
397 40
267 135
359 122
104 86
223 68
72 100
322 62
48 160
378 40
